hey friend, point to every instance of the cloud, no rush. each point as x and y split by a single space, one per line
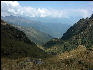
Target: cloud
10 8
14 8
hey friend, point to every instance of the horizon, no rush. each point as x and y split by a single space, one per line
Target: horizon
67 9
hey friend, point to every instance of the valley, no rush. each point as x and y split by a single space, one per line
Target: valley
21 49
48 27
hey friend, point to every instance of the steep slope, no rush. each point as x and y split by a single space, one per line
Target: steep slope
15 44
30 27
44 25
81 33
34 35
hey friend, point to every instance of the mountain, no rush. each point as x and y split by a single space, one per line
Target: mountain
73 51
15 44
46 25
81 33
34 35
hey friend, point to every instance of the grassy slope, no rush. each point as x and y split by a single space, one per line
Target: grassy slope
15 44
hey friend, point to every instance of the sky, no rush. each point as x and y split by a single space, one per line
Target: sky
53 9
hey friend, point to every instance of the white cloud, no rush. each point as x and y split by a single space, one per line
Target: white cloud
10 8
43 12
14 8
10 3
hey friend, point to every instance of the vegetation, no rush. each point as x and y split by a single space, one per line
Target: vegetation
30 28
15 44
78 59
72 52
81 33
34 35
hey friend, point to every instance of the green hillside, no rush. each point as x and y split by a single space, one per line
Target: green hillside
34 35
72 52
81 33
15 44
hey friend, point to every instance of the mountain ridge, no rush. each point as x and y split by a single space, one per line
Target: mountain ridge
15 44
81 33
34 35
46 27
